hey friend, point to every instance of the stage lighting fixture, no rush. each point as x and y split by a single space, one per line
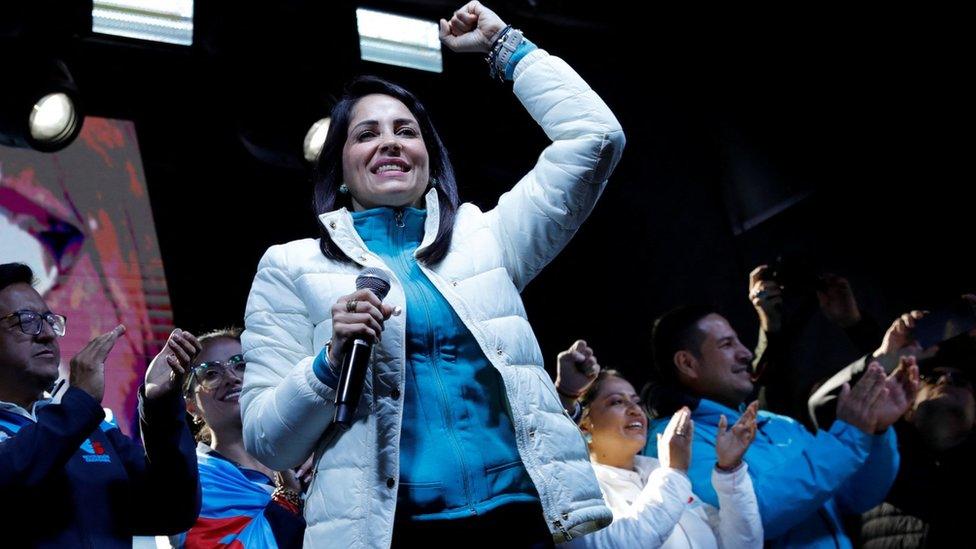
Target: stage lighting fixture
41 108
169 21
398 40
315 139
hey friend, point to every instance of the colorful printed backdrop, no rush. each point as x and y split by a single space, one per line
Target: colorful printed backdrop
81 219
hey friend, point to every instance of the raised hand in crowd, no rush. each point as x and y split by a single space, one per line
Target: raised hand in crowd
87 368
856 405
901 387
899 339
876 401
767 298
166 371
471 29
674 445
731 444
577 367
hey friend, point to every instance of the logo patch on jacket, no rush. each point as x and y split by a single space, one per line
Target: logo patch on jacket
94 452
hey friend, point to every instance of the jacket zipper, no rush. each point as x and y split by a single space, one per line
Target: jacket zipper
562 529
546 497
435 352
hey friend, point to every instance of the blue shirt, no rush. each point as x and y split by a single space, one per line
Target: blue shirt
802 481
458 456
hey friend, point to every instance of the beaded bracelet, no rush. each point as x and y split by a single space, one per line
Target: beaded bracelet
503 47
495 43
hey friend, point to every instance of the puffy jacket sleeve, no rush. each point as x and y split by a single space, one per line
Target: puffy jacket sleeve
535 219
284 406
736 523
647 522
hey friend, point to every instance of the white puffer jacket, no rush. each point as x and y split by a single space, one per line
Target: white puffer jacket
493 255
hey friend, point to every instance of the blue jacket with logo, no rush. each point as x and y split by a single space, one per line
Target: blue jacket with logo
803 482
71 479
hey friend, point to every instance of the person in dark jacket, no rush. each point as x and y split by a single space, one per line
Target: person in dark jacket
929 504
810 326
68 476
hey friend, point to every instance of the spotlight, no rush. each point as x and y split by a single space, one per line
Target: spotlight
53 118
41 110
315 139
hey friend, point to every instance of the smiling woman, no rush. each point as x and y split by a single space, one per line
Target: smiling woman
651 499
384 159
444 441
245 504
382 150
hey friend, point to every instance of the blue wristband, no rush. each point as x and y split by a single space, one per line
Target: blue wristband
322 370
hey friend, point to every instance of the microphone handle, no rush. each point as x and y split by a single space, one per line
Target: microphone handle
355 362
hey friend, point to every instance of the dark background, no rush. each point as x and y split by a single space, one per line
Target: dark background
840 137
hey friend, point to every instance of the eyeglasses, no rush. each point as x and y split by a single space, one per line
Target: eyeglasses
209 374
30 321
952 376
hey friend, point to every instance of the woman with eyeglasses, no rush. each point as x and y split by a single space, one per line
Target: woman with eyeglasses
651 500
245 504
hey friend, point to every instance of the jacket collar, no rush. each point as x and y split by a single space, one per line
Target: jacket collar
709 411
339 225
29 414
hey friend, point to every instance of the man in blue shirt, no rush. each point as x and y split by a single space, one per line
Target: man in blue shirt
68 476
804 482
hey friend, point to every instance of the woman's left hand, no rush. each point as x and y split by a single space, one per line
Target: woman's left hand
471 29
674 445
731 445
172 363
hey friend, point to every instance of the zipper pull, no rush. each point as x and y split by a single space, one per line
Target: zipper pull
562 529
398 216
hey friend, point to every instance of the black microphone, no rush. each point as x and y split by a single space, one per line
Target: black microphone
356 353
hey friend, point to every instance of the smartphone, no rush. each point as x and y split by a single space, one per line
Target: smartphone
947 323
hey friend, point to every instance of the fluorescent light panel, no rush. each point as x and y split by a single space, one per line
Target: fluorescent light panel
169 21
398 40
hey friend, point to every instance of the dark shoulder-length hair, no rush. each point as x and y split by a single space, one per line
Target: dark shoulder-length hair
328 172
